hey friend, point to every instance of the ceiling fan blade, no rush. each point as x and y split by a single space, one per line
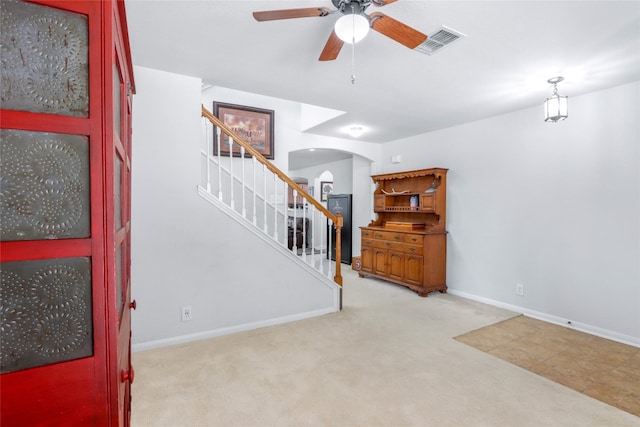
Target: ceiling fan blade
332 48
396 30
272 15
383 2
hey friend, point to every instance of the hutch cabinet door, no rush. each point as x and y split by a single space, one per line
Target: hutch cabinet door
378 203
428 202
414 269
366 259
396 265
380 266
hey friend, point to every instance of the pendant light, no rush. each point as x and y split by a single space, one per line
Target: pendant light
556 107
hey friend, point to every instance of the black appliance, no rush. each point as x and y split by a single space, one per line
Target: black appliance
340 203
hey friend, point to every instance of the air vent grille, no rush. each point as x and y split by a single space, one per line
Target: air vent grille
444 37
439 39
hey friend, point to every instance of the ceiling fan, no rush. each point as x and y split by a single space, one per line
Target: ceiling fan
354 9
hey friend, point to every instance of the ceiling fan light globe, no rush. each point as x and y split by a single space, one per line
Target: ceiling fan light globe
352 27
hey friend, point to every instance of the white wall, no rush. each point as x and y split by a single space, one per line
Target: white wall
186 252
341 171
362 199
342 176
555 207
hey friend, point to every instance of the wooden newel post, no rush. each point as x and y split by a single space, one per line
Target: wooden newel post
338 277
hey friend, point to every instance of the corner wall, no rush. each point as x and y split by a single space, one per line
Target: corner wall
186 252
555 207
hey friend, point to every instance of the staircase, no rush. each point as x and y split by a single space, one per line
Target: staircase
253 191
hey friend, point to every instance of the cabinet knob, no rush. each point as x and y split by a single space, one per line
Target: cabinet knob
388 244
133 305
412 249
414 239
127 375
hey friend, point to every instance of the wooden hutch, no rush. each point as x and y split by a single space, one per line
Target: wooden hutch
407 243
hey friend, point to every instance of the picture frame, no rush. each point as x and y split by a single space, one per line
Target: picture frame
255 125
326 188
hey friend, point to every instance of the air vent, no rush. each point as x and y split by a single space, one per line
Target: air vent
439 39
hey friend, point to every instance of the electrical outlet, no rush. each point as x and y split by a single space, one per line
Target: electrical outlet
519 289
186 314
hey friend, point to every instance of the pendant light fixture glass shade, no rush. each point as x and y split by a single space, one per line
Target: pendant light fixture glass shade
556 107
352 28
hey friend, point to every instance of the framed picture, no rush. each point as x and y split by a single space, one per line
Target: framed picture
254 125
326 188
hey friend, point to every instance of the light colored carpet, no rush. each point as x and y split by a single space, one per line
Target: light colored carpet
388 359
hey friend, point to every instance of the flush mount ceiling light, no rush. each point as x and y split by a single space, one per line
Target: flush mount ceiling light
556 107
356 131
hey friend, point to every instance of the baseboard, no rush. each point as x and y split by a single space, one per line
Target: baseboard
165 342
582 327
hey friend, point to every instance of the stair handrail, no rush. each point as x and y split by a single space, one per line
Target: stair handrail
335 218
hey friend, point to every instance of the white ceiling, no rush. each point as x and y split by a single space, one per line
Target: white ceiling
303 159
511 49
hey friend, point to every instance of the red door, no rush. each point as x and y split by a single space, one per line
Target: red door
120 141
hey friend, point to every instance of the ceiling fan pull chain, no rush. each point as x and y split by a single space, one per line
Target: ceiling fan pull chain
353 49
353 64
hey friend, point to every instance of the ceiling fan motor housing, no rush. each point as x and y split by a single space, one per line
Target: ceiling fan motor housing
351 6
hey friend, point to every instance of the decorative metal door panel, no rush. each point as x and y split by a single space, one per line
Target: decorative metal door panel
46 312
45 60
44 185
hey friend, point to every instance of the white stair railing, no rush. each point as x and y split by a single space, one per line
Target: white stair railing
262 195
